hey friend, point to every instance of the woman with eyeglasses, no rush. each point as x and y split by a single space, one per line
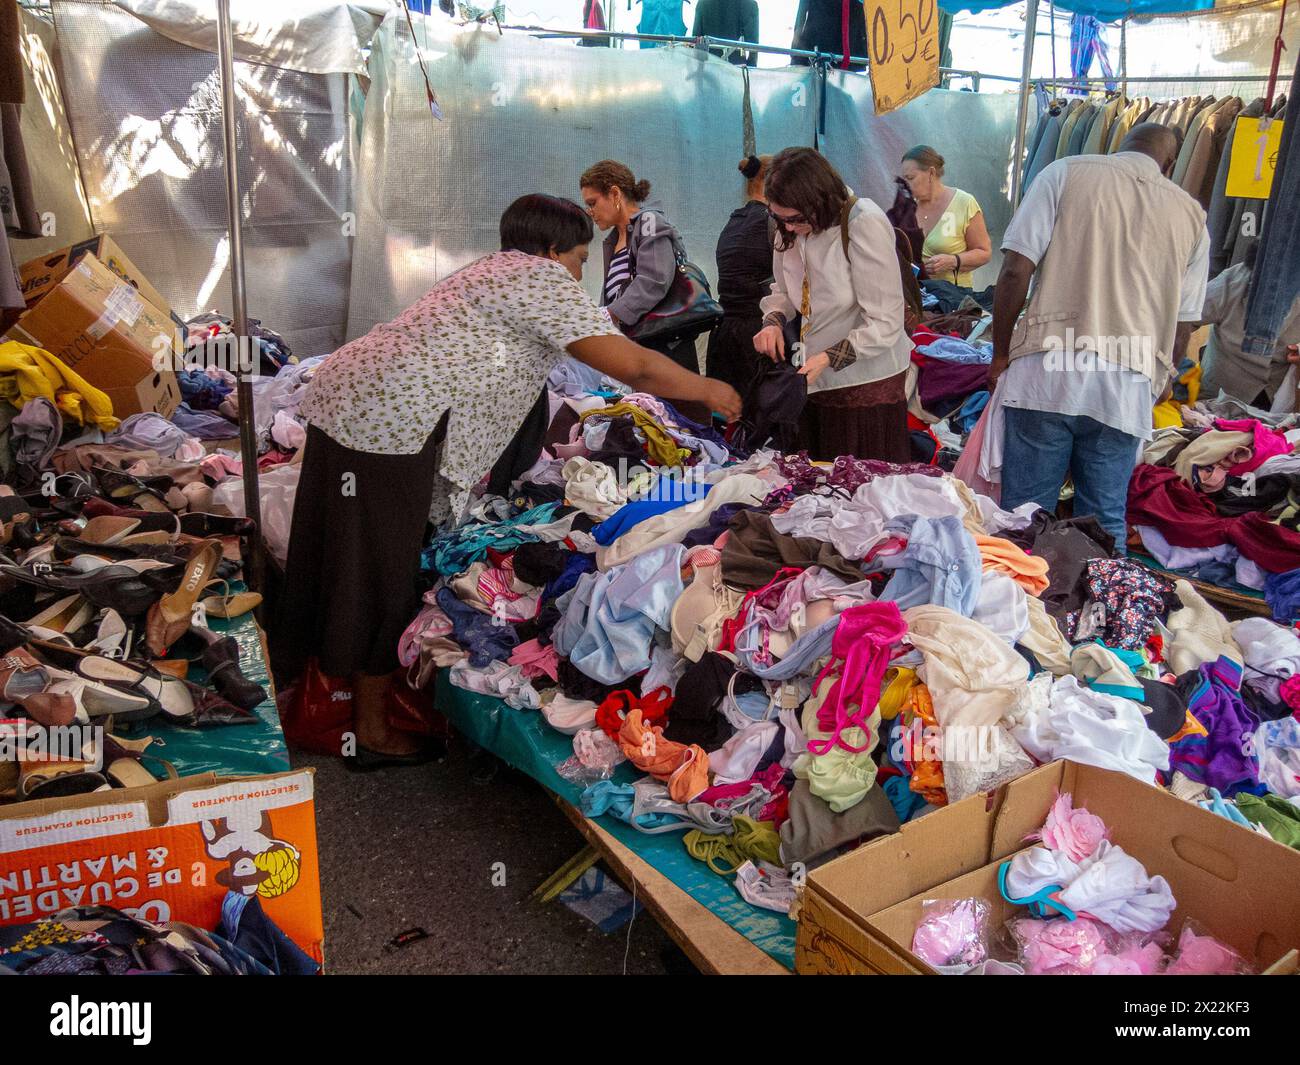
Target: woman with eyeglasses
836 269
641 249
956 238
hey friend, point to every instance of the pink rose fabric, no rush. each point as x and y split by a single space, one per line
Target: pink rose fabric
1075 833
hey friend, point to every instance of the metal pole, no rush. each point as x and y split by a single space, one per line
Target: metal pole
1022 112
1123 57
239 309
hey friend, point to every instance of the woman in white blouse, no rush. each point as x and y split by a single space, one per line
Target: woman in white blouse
837 267
405 420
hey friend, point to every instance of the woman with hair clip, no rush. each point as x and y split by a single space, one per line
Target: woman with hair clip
836 264
744 259
640 252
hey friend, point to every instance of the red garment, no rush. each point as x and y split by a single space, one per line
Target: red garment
618 704
1158 497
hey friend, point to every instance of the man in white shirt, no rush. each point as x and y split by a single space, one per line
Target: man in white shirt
1119 256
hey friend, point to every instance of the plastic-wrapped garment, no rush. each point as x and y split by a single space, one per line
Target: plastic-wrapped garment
498 679
766 885
1094 729
1203 955
952 934
610 618
276 490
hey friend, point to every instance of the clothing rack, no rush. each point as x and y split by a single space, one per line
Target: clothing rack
543 32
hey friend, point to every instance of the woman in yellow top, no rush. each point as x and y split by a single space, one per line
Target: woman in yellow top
956 239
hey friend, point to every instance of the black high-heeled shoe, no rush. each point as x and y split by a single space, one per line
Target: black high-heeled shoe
122 487
123 589
221 660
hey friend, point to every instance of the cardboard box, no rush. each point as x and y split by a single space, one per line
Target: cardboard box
858 912
99 326
38 277
169 852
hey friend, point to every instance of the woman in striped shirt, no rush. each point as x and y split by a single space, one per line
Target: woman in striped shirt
640 252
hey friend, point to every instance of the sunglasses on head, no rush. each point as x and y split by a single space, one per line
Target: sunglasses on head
788 220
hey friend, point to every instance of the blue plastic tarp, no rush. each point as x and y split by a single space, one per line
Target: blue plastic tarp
1106 10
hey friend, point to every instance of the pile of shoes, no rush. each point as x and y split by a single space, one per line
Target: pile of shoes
105 592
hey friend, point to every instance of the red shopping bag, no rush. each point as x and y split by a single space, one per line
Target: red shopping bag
316 711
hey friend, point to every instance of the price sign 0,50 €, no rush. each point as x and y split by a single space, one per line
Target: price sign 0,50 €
903 38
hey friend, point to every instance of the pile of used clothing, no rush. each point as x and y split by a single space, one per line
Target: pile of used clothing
780 660
1218 499
110 565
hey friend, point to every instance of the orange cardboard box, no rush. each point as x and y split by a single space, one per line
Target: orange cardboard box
169 852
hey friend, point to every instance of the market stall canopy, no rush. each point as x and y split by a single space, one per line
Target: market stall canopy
1106 10
312 36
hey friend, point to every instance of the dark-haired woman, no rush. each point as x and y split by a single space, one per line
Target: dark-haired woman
744 259
853 344
405 420
641 251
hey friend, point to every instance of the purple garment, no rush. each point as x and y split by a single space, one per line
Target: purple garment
944 386
148 432
718 522
847 473
35 432
480 634
204 424
1218 760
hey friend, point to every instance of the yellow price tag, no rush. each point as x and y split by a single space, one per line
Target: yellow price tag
903 38
1255 144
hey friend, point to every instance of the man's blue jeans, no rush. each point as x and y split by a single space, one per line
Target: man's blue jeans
1041 448
1275 282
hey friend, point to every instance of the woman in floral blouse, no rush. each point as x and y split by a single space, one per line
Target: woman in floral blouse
405 420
